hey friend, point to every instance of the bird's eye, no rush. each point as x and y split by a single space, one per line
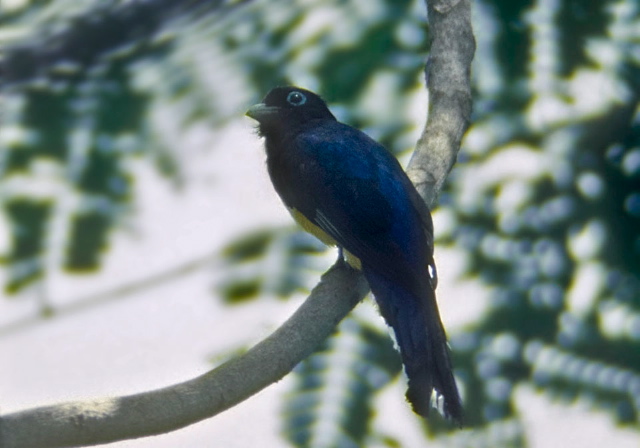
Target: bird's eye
296 98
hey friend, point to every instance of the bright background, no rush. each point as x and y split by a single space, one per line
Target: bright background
132 164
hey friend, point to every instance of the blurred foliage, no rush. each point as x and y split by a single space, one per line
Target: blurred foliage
275 262
331 404
28 219
544 201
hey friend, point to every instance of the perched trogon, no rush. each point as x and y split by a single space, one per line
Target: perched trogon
349 191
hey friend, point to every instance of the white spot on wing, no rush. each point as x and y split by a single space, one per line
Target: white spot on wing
326 225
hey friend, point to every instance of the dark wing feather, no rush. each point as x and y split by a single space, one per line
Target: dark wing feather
354 189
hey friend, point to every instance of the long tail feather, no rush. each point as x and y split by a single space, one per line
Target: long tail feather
423 344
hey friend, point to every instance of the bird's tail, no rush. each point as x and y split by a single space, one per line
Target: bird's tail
423 345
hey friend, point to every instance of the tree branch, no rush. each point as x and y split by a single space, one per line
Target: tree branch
448 74
160 411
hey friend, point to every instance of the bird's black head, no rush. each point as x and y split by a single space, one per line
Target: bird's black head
287 109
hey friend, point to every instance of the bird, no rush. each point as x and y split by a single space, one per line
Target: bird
349 191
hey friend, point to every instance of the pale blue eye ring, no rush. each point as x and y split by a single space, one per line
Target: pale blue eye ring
296 98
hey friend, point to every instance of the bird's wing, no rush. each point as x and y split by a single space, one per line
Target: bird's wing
355 191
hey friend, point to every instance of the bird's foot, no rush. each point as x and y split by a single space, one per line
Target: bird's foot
341 262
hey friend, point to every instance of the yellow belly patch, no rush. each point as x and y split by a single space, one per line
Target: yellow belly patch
353 261
323 236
